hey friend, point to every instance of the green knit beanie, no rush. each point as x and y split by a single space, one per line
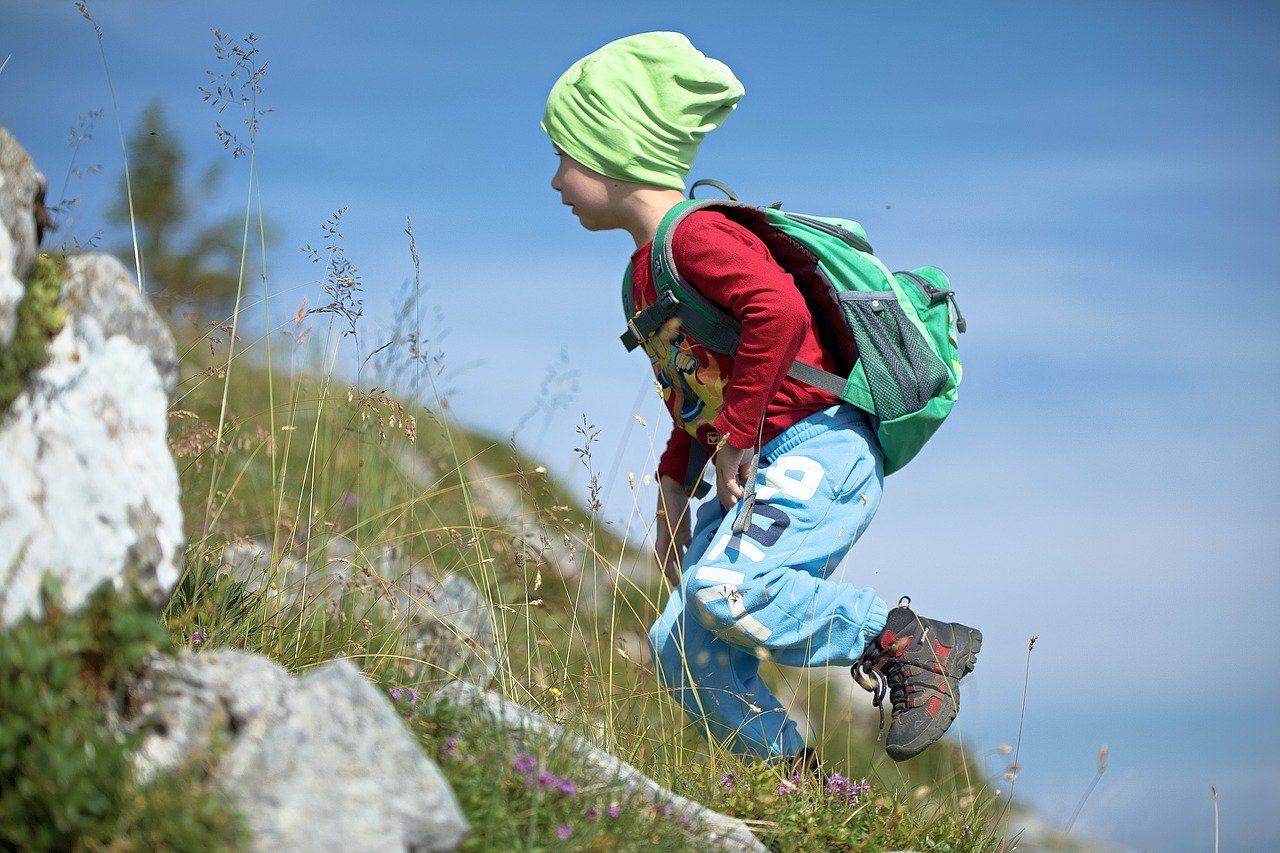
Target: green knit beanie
637 109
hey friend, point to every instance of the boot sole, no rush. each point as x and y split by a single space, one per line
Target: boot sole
968 644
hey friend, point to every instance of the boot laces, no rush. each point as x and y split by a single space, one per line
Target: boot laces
871 675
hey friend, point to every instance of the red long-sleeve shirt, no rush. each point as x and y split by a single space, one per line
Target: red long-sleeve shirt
731 266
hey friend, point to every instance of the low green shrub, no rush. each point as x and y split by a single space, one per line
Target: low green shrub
39 319
66 773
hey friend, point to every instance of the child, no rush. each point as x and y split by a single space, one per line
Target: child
626 122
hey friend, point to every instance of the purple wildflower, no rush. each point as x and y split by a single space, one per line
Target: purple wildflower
593 812
786 787
548 780
396 693
839 786
198 637
563 831
568 787
525 763
450 746
726 782
613 812
686 819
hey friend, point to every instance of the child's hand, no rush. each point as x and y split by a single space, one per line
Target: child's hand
733 466
671 536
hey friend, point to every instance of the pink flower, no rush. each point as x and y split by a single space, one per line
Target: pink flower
563 831
525 763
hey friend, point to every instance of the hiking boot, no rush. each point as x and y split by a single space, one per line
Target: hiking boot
919 662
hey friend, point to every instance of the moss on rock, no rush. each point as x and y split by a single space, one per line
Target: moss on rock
40 317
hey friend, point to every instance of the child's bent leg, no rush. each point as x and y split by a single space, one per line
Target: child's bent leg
764 594
766 590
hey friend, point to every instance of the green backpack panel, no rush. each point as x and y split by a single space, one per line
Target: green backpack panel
894 334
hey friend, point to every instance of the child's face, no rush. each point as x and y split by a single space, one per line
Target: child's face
585 192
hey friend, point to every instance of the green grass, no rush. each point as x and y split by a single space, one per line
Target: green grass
67 780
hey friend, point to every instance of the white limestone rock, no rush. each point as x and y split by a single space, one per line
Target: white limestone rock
88 487
320 762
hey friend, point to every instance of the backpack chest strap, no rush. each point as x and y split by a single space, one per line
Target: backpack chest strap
648 321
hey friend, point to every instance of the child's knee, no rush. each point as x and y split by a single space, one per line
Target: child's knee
718 598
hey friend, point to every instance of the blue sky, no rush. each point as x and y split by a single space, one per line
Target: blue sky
1100 180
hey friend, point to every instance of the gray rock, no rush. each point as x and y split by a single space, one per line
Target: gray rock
88 487
450 629
89 491
528 730
23 217
98 286
321 762
447 624
186 702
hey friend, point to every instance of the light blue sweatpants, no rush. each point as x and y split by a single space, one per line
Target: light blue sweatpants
765 593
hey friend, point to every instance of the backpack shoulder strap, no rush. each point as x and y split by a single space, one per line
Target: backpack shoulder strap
706 321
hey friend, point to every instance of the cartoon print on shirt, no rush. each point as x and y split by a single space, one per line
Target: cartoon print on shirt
689 372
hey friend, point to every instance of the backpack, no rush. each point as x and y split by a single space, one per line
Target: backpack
894 333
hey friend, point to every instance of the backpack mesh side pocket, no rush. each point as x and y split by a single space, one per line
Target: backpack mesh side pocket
902 372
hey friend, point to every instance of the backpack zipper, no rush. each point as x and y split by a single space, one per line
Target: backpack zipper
834 230
936 294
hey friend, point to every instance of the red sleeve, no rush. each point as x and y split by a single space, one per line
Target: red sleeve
675 459
731 266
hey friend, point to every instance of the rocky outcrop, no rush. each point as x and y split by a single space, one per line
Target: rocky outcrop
88 487
447 624
320 762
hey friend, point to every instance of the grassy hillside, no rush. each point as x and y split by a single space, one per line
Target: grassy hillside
290 459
